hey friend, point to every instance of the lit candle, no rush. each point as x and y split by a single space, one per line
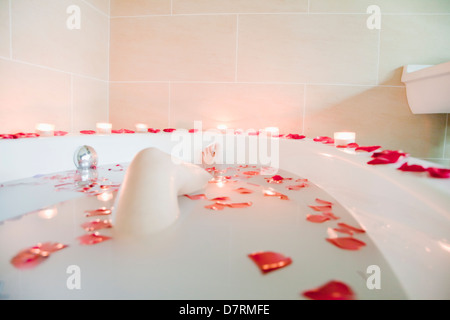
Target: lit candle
104 128
272 131
141 128
222 128
45 129
344 138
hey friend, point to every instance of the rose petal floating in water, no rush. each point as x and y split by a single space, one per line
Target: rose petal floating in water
220 199
330 215
239 204
96 225
332 290
215 206
196 196
325 202
367 148
347 243
354 229
92 238
344 230
268 261
411 168
297 187
251 173
317 218
321 208
243 190
33 256
439 172
98 212
276 179
272 193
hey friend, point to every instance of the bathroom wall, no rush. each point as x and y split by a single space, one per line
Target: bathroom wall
49 72
306 66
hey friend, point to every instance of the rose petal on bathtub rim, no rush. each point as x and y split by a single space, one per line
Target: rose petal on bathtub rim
440 173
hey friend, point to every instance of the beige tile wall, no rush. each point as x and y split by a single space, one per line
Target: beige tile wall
49 73
307 66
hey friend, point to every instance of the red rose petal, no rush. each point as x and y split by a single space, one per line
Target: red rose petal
439 172
367 148
96 225
215 206
196 196
243 190
33 256
268 261
87 132
347 243
344 230
271 193
328 203
294 136
297 187
321 208
220 199
151 130
346 226
386 157
411 168
239 204
332 290
169 130
92 238
317 218
98 212
324 139
251 173
330 215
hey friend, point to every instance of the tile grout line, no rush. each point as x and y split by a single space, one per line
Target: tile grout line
445 137
304 109
237 48
109 64
378 58
169 105
72 129
10 30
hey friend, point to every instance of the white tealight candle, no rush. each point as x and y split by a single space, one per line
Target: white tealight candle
222 128
141 128
104 128
45 129
344 138
272 131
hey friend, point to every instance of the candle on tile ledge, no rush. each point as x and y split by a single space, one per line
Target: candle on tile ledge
272 131
104 128
141 128
344 138
222 128
45 129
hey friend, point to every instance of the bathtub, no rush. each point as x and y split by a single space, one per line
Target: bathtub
406 217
